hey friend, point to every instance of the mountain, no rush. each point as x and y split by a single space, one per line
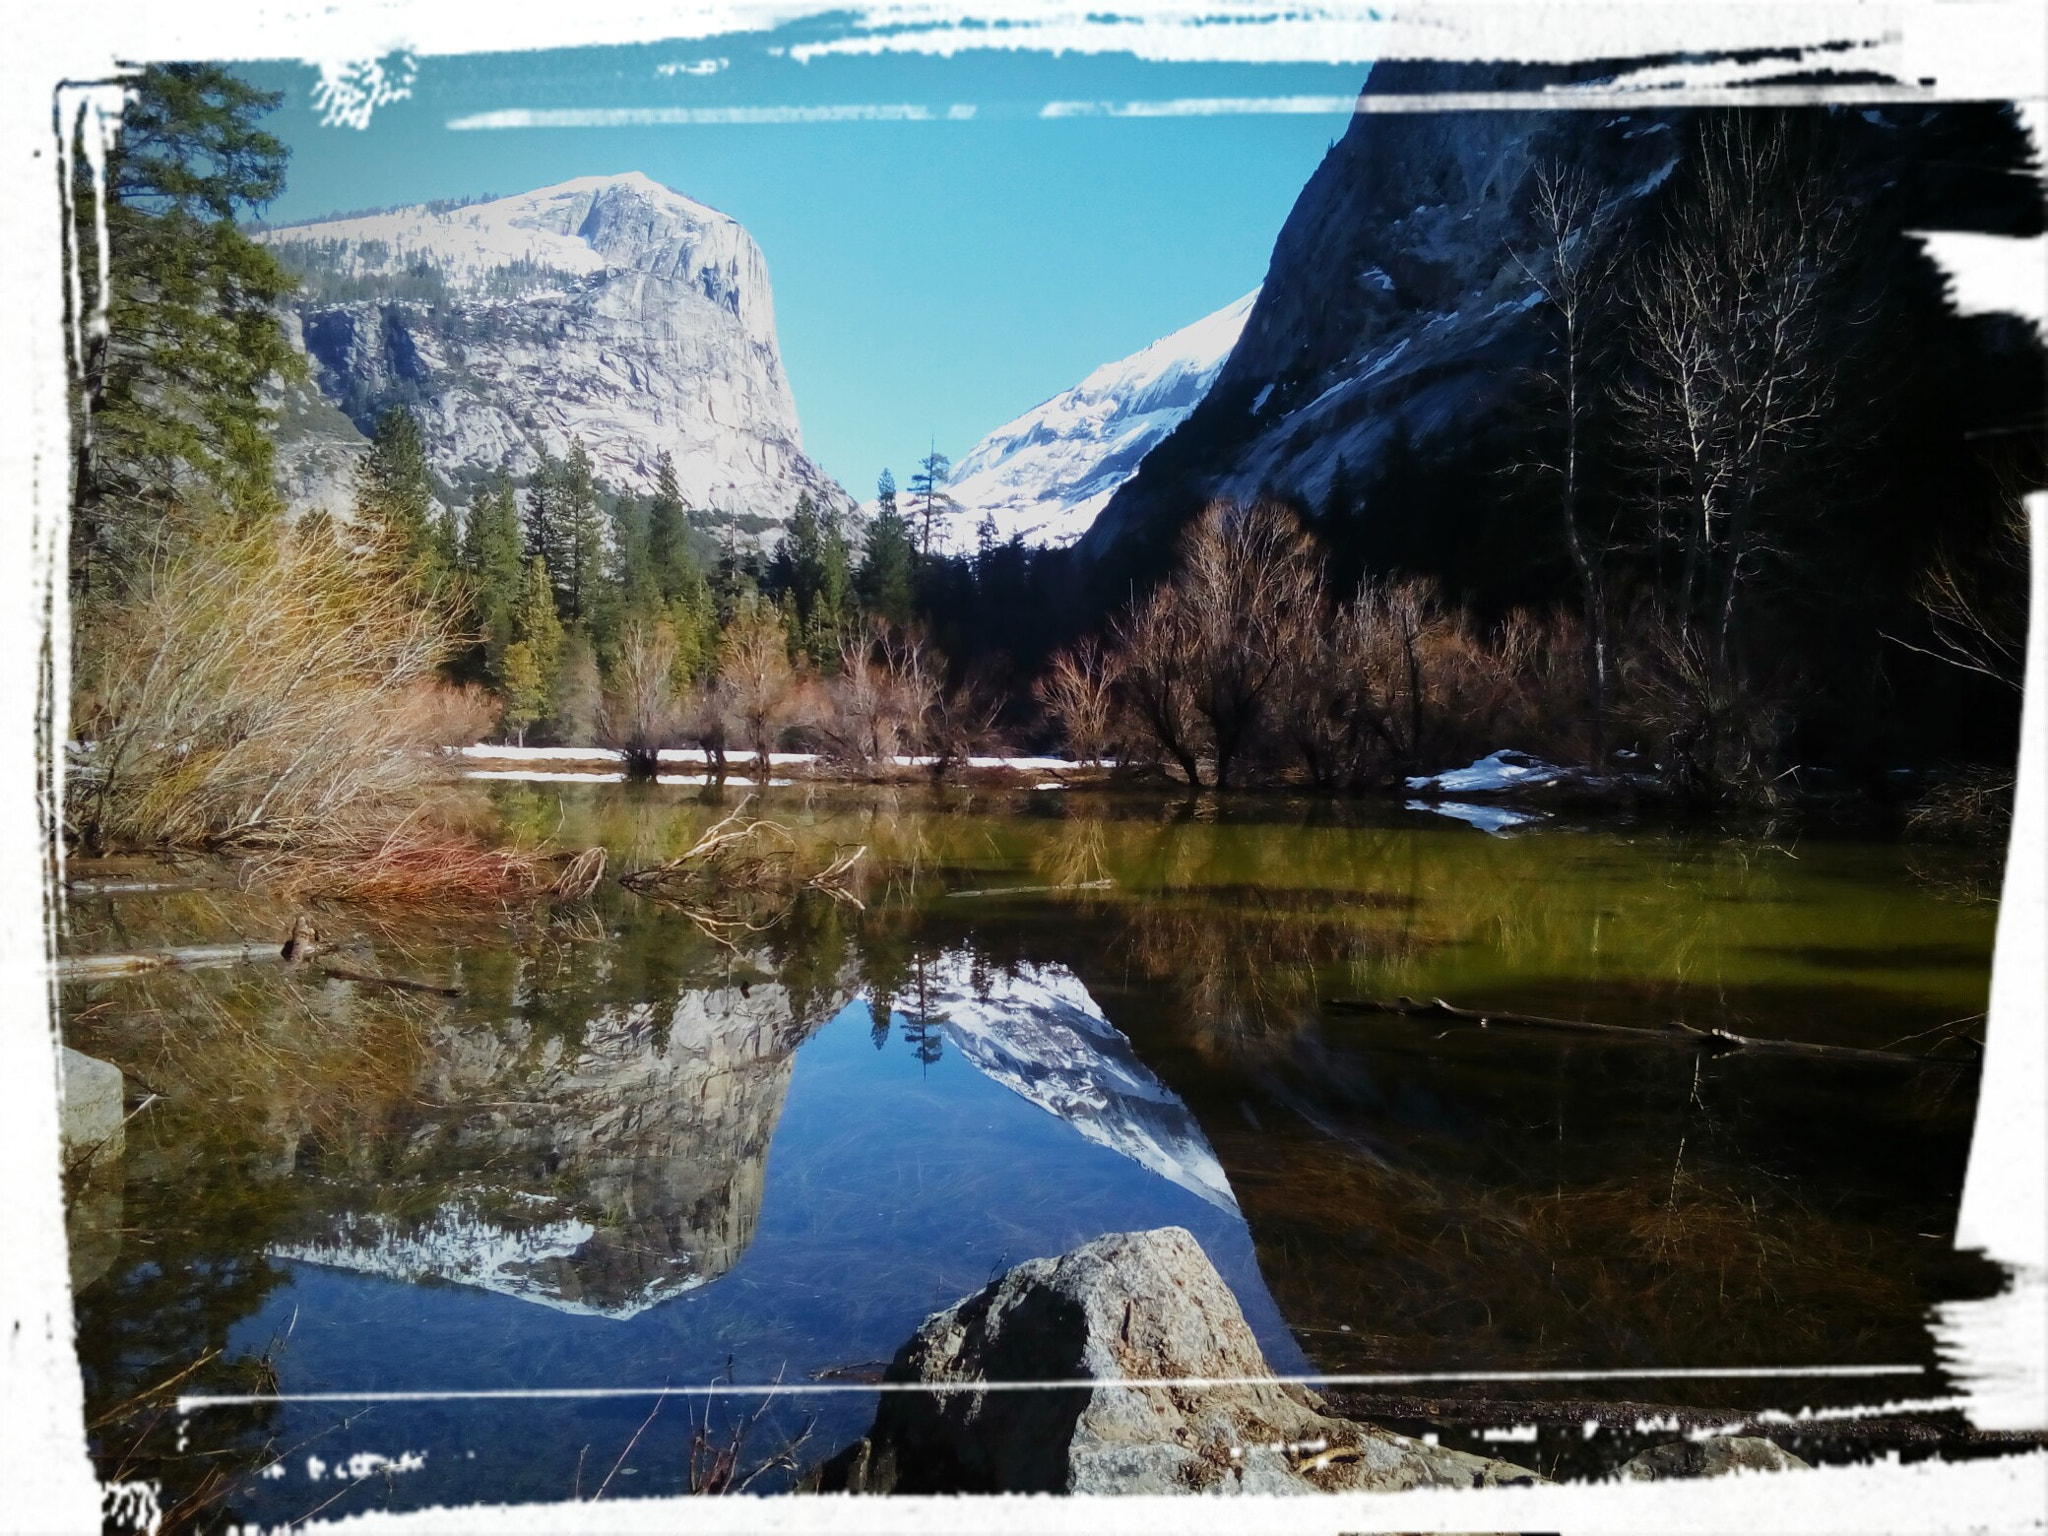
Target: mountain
1397 331
608 308
1036 1031
601 1179
1044 476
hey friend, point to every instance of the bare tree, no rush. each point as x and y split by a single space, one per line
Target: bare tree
640 713
1155 649
1735 368
1574 263
756 683
1976 604
1251 580
1079 690
882 699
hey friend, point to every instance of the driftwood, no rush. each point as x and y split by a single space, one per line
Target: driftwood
1675 1032
1036 890
300 946
740 856
580 876
186 957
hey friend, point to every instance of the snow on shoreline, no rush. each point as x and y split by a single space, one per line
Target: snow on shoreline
490 752
1492 774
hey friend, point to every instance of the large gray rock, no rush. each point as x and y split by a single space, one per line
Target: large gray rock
608 309
1129 1307
1708 1458
90 1118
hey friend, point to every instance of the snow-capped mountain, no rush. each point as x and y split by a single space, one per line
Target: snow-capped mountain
1044 476
1038 1033
609 309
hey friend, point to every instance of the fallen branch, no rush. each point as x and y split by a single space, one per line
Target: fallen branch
342 973
1675 1032
580 877
1037 890
187 957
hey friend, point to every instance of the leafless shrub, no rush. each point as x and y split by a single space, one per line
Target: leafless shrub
640 713
757 687
1968 805
258 689
881 702
1079 690
1201 658
961 722
1714 737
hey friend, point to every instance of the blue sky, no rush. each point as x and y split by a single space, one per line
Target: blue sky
932 278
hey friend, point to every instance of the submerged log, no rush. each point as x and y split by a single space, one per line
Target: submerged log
183 957
1674 1032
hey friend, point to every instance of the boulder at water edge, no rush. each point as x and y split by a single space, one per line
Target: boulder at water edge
1127 1308
1708 1458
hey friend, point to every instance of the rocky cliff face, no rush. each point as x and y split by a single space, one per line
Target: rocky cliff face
609 309
1045 476
602 1178
1394 305
1397 320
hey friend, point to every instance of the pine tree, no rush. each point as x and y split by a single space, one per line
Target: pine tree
887 579
542 513
536 625
493 571
170 403
525 690
580 532
931 502
394 496
668 532
885 492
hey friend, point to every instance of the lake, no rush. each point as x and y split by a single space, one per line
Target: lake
643 1149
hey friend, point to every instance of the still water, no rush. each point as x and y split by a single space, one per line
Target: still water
646 1150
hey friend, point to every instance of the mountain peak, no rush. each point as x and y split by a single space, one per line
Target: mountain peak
1045 475
607 308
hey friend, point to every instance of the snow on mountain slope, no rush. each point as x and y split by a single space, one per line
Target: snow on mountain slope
607 308
1038 1033
1044 476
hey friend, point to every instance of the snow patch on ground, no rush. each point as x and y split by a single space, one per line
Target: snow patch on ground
1493 773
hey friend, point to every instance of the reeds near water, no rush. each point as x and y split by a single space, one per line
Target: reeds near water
261 689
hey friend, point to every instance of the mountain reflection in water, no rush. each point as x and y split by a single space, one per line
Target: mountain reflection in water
630 1155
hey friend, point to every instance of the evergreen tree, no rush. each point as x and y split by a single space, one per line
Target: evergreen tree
885 492
543 519
668 533
536 624
170 398
394 495
524 688
494 571
931 501
638 583
887 579
580 534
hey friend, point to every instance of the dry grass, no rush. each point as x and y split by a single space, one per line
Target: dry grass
415 864
263 689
